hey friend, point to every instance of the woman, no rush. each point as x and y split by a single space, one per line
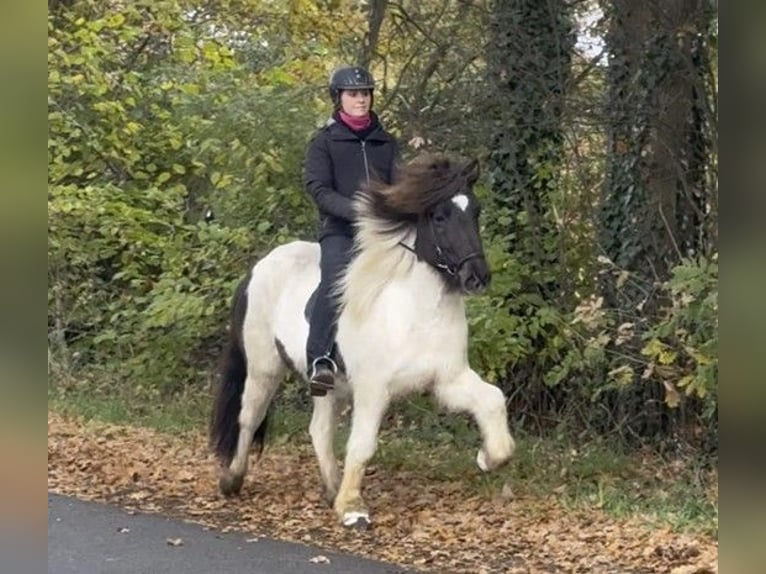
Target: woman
349 150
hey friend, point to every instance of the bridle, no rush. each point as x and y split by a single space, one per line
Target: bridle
441 263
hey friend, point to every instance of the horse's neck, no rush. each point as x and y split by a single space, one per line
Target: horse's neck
382 262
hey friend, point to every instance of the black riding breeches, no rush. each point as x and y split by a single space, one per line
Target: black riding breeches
336 254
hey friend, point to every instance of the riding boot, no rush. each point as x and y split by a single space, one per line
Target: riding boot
322 377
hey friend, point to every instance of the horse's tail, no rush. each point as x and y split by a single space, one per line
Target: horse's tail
224 422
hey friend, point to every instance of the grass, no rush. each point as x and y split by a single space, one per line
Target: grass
108 401
596 475
599 474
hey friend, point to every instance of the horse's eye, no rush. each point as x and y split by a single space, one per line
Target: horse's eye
438 217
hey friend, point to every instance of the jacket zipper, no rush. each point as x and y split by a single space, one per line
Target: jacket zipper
366 165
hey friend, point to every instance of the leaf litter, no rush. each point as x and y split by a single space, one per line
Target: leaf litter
432 526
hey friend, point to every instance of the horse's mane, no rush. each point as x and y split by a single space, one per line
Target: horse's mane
420 185
387 216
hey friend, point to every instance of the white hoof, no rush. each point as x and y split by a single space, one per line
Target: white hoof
481 460
360 520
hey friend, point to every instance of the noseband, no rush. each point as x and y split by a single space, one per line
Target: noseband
452 269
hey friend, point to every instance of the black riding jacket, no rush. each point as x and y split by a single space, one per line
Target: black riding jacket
338 161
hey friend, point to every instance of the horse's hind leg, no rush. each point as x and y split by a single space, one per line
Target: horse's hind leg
322 431
468 392
260 386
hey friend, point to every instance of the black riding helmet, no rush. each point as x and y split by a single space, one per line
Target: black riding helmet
349 78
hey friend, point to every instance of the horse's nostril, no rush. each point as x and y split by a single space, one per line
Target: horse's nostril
473 282
474 278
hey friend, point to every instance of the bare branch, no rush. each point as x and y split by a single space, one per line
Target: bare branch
375 20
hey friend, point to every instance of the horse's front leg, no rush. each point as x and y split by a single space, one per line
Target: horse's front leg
322 431
362 442
468 392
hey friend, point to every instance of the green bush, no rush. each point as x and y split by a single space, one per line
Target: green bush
682 346
132 284
587 362
142 141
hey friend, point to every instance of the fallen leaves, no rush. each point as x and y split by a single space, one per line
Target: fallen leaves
434 526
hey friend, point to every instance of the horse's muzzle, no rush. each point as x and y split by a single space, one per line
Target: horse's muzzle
474 276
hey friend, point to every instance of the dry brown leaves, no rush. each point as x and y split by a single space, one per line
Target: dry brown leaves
440 527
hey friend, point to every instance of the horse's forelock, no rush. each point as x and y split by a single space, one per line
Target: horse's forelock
421 185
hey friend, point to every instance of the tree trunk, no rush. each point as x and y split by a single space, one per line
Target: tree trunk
529 65
657 197
375 21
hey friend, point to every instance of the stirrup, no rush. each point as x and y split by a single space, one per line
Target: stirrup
322 377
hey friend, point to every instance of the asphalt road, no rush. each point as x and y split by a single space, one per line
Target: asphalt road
87 537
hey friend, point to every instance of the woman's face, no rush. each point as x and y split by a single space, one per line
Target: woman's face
356 102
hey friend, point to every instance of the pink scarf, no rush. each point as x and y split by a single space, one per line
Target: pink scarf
357 124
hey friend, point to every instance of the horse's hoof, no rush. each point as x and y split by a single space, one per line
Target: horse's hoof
230 484
357 520
481 460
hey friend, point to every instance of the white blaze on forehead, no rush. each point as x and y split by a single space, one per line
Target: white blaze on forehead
461 201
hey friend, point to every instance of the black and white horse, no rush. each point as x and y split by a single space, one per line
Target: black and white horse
402 329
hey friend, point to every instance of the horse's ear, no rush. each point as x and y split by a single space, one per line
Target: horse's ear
471 172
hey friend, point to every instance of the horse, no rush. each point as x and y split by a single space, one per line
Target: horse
401 329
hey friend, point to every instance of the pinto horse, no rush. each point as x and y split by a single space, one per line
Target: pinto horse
401 329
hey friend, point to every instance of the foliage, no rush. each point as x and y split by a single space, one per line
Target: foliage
528 70
659 129
152 122
529 66
683 346
430 63
589 363
512 326
164 113
152 278
659 198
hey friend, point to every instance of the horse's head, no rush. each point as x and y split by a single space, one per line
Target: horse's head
448 234
436 195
